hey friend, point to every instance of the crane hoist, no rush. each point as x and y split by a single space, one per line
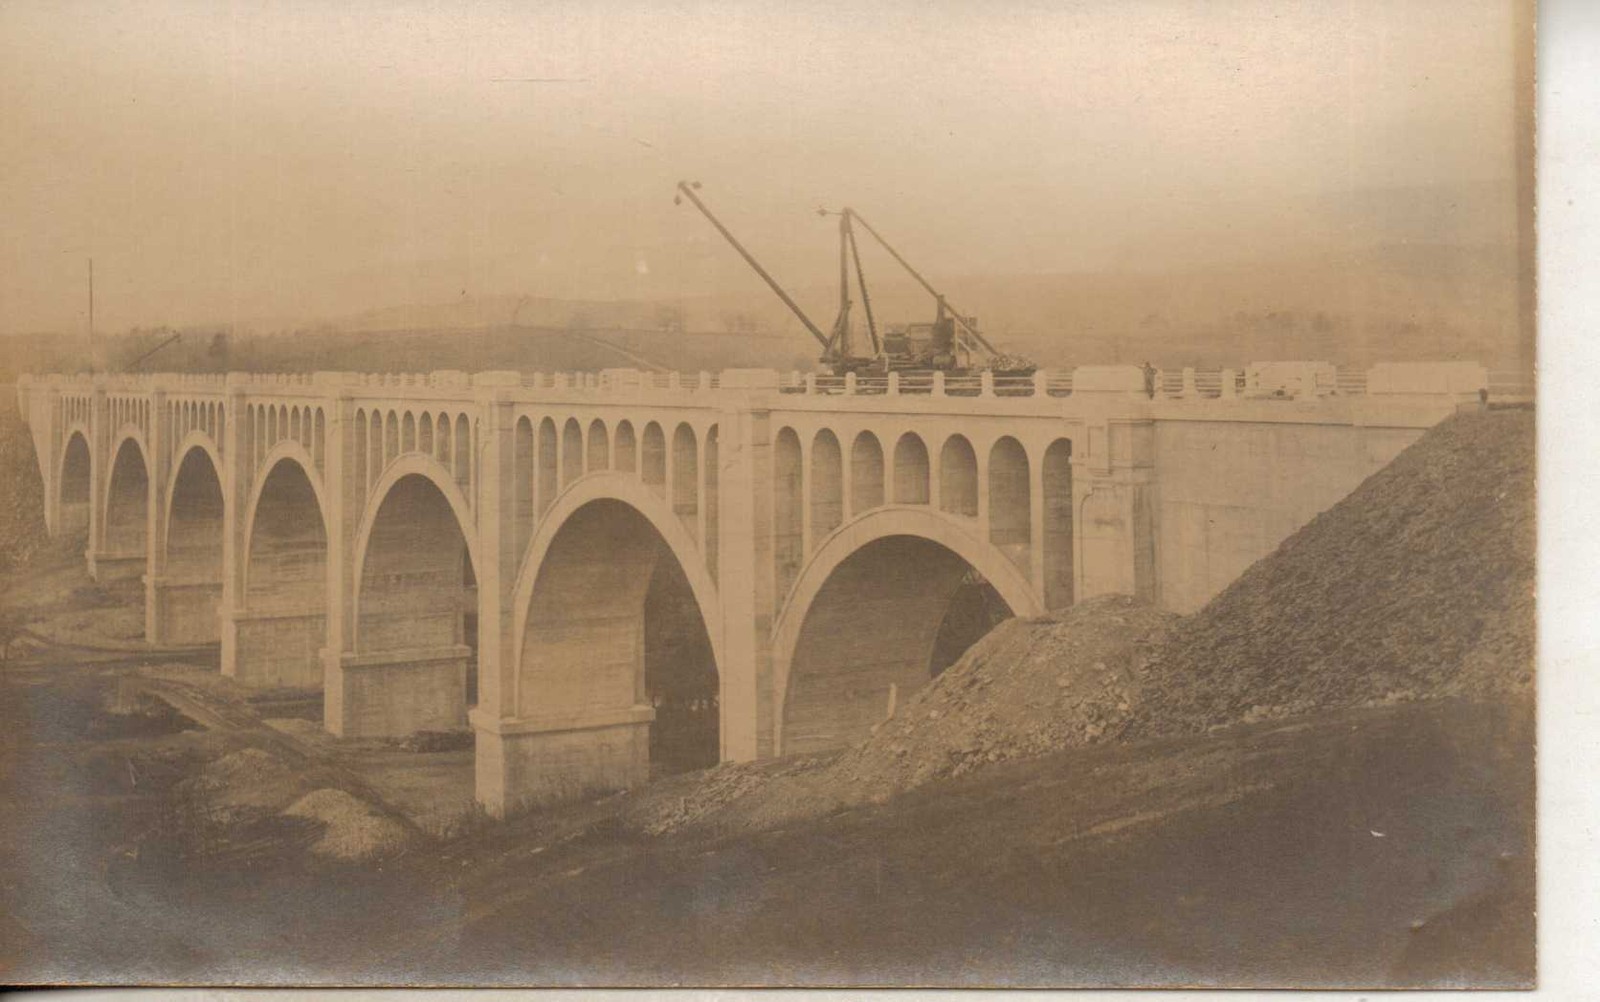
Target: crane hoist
951 343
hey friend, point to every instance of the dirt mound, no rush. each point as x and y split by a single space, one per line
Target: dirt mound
725 794
243 785
353 830
1418 585
1028 688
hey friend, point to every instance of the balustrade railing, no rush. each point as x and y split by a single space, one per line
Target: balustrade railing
1164 384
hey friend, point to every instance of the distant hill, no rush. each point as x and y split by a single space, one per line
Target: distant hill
1394 301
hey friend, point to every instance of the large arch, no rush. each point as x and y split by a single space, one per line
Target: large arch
612 579
191 580
413 663
72 484
279 631
413 467
127 507
274 457
868 611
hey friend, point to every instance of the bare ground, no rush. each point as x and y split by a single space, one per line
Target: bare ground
1381 845
166 826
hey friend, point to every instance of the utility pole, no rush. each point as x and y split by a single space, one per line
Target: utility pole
94 348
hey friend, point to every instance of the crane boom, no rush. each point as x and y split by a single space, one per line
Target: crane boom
866 301
935 293
687 190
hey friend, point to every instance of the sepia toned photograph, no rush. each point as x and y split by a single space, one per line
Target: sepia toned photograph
644 494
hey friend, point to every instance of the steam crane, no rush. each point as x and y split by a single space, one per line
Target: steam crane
949 344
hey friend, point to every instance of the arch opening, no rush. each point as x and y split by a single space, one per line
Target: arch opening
462 452
866 474
614 629
123 555
522 482
910 470
441 440
280 632
1010 502
827 484
627 460
713 503
893 615
1058 525
391 438
958 477
547 464
416 618
376 459
788 509
74 488
653 456
191 585
362 458
680 676
686 476
571 451
598 454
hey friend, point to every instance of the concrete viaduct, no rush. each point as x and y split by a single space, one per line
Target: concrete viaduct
532 555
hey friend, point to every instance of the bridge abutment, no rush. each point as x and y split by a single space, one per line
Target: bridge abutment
1113 499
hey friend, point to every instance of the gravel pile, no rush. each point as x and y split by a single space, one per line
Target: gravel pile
684 801
353 831
1418 585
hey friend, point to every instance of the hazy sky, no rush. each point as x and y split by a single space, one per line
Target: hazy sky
299 159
